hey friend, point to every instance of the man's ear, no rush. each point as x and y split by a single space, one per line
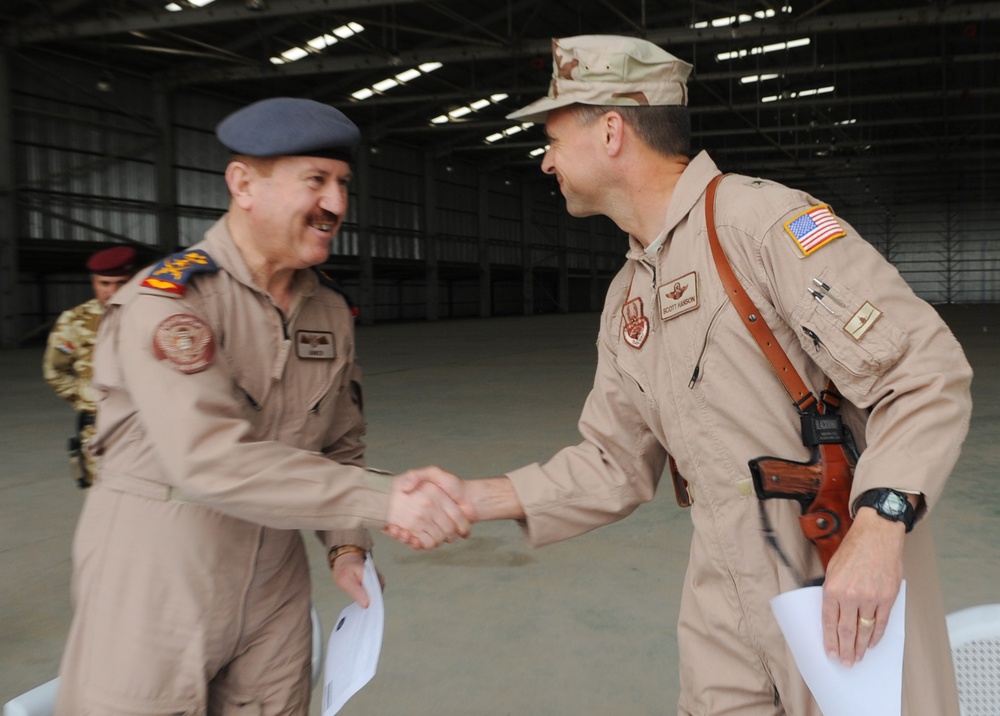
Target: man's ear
239 179
614 133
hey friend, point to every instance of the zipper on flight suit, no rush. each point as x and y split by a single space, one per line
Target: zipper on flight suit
704 344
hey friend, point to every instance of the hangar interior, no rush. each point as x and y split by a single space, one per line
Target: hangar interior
887 112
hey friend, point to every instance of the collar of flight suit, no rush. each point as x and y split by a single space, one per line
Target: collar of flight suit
219 244
687 193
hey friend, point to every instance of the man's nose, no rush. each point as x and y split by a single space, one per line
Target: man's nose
334 201
548 166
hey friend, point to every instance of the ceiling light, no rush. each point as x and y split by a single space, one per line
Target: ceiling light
400 79
105 83
318 43
762 49
801 93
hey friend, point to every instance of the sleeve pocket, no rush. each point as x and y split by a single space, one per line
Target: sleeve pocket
852 362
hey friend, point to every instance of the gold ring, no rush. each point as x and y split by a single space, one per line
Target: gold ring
866 622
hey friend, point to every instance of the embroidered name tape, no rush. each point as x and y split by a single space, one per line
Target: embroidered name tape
679 296
315 344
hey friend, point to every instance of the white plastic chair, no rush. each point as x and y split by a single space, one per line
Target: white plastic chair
41 700
974 634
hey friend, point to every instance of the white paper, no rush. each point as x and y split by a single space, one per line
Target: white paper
872 687
355 643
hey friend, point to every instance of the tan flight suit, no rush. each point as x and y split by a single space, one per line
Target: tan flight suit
698 387
67 367
191 587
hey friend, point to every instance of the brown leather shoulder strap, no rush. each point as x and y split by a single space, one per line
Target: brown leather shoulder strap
801 396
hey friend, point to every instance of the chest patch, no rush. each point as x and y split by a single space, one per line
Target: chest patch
635 325
679 296
814 229
862 321
185 342
315 344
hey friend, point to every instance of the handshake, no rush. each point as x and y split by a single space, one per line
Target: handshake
429 506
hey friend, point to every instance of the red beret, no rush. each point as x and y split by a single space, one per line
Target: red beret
116 261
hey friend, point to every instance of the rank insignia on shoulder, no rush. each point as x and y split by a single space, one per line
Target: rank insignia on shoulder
172 274
814 228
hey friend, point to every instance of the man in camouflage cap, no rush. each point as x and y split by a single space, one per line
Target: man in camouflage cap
677 372
67 364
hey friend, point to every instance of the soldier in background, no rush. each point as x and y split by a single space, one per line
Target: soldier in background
67 365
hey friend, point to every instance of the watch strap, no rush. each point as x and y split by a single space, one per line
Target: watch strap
874 499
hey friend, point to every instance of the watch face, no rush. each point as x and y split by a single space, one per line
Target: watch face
893 503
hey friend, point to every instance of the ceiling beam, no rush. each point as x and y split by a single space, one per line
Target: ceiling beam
778 27
25 34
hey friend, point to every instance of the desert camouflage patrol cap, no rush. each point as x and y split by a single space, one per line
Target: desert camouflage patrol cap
290 126
609 70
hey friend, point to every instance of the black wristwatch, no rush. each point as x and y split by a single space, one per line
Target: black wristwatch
891 504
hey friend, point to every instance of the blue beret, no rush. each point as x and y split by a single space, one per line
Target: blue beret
289 126
116 261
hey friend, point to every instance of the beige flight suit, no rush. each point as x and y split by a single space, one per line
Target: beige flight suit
700 388
191 587
67 367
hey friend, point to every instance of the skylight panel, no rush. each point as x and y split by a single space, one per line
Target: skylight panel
467 109
801 93
402 78
741 19
510 131
758 78
762 49
174 7
316 44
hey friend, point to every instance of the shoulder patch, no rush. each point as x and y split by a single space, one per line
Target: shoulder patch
331 283
172 274
814 228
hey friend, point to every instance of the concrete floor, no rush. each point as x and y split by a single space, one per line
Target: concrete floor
486 626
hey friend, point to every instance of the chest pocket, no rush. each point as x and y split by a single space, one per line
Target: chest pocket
848 350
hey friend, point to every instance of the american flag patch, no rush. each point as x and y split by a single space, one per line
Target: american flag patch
814 228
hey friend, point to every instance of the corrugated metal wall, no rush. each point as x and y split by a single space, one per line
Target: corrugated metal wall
440 237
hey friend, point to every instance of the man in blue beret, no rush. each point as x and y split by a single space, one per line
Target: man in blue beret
230 419
68 360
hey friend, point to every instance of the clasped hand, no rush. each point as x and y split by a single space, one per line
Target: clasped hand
428 506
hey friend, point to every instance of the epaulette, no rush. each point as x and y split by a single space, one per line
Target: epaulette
172 274
331 283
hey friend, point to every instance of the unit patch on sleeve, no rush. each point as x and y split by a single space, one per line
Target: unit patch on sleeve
679 296
172 274
862 321
814 228
185 342
315 344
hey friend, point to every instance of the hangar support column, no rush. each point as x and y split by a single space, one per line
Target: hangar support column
9 298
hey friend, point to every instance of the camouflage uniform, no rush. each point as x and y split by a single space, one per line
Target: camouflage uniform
67 368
